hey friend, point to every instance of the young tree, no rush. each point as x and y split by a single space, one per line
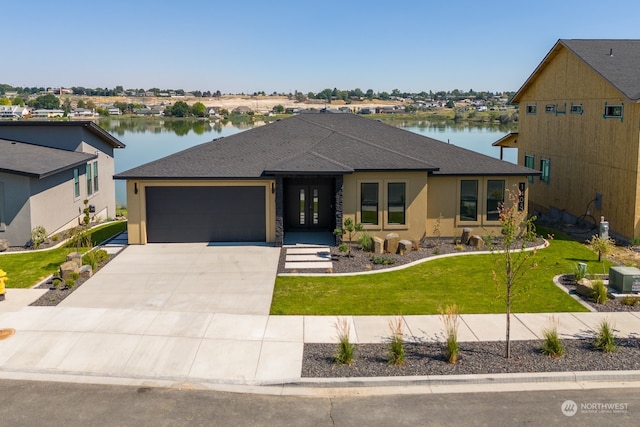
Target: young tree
512 261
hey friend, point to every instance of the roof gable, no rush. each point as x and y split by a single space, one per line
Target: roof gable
616 61
316 143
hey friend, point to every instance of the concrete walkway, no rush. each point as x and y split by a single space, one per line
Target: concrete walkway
198 316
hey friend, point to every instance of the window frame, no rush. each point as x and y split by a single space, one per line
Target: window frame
609 109
476 201
491 200
403 202
76 183
530 164
545 177
576 109
531 109
550 108
89 176
96 186
363 204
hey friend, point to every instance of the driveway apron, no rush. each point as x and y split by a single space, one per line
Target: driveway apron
184 277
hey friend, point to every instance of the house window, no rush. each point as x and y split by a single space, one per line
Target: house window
302 206
89 180
550 108
76 183
396 192
495 198
95 177
531 109
544 168
613 111
369 203
576 109
468 200
529 161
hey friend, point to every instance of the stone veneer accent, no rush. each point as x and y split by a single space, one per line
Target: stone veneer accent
339 186
279 211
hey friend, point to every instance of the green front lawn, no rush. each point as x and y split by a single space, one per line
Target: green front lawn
24 270
423 289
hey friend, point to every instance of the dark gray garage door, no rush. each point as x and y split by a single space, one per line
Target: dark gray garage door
205 214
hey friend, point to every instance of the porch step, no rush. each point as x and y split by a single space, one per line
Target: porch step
308 258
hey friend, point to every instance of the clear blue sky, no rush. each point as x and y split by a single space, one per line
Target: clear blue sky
244 45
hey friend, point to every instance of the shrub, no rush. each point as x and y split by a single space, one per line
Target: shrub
600 292
552 346
604 340
343 247
629 300
345 351
38 236
380 260
580 271
93 258
396 345
366 241
451 318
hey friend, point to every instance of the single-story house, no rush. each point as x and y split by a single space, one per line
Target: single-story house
310 172
14 111
47 170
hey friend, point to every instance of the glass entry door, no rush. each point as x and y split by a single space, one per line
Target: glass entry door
309 206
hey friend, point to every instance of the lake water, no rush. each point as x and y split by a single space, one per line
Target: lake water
148 140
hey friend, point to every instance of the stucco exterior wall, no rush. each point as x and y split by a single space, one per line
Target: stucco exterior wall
16 209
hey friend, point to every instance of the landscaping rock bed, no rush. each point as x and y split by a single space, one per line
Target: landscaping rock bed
55 295
360 260
613 304
475 358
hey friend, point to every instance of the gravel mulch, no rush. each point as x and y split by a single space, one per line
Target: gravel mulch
56 294
360 260
475 358
613 304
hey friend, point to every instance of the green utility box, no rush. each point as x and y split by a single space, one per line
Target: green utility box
625 279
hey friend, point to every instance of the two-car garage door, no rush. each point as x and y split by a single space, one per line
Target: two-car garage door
206 214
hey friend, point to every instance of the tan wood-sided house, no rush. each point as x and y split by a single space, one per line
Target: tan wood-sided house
580 127
310 172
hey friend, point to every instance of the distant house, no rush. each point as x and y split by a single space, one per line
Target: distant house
113 111
46 114
47 170
242 109
310 172
82 113
579 115
13 111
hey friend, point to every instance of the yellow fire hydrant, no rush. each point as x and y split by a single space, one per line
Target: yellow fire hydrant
3 280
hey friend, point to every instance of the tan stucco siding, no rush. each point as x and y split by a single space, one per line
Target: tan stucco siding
588 153
415 205
137 209
444 204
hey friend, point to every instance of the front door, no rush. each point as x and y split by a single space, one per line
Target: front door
309 205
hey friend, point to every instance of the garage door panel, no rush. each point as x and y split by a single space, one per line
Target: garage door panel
205 214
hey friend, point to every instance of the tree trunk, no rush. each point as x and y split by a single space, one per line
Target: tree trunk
508 335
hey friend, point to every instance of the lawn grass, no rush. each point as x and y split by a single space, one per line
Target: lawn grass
465 281
26 269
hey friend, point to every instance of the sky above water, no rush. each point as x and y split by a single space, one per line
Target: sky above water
248 46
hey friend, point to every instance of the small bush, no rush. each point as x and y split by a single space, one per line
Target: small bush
345 351
396 345
580 271
380 260
605 340
451 318
366 241
600 292
630 301
38 236
552 346
343 247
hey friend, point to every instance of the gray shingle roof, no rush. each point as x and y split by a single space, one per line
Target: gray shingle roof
89 125
316 143
37 161
616 61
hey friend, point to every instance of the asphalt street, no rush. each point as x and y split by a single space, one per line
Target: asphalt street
31 403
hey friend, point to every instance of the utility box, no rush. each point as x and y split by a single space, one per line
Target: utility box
625 279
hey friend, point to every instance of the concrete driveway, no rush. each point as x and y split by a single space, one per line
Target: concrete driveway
184 277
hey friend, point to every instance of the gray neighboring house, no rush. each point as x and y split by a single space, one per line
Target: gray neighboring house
47 170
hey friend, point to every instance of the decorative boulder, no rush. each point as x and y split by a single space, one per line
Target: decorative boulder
85 271
584 287
404 246
67 268
391 243
476 242
75 257
466 234
378 245
4 245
